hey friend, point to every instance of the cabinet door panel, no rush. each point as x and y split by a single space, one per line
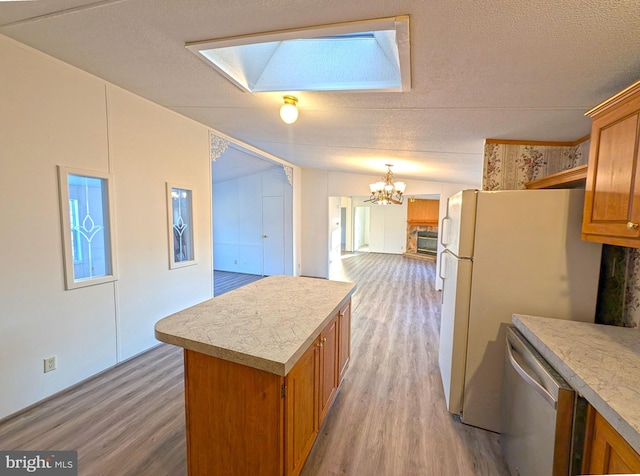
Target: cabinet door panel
328 367
616 160
609 453
301 403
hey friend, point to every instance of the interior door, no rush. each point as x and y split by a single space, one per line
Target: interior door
273 235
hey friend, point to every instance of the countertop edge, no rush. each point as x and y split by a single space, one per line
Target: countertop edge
258 363
576 381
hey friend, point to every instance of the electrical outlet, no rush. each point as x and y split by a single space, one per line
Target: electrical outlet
49 364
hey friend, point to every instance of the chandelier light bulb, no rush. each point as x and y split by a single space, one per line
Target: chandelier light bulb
388 191
289 110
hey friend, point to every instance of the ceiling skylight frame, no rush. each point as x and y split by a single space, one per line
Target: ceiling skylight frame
398 24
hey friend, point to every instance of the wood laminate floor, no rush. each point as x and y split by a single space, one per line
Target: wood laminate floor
389 417
225 281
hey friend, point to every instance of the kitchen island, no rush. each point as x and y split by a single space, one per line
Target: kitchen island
602 363
263 364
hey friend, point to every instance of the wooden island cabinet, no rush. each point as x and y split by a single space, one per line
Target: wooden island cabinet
606 451
252 412
312 385
260 417
612 191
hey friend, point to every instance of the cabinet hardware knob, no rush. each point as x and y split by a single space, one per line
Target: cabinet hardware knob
632 226
264 236
324 339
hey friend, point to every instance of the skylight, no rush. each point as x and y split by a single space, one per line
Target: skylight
370 55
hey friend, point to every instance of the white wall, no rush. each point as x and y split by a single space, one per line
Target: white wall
318 185
237 221
361 222
335 227
150 146
53 114
314 257
296 210
345 202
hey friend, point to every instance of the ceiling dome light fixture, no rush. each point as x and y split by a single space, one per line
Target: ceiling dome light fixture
289 110
387 191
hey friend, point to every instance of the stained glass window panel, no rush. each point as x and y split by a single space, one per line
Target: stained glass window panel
89 227
181 232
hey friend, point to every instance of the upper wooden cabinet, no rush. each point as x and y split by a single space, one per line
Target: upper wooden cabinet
612 192
423 212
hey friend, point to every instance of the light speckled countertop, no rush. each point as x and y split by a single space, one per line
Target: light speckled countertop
266 325
600 362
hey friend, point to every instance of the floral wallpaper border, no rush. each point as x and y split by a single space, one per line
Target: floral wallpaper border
510 166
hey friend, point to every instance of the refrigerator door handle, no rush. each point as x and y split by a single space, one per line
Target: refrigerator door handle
529 379
442 258
445 231
440 261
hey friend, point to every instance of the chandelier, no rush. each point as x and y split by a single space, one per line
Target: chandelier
387 191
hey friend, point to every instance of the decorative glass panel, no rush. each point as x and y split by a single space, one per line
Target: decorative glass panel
87 227
179 204
76 246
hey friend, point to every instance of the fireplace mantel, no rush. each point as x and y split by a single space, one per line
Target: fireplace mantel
422 223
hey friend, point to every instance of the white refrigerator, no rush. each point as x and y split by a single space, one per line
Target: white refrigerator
506 252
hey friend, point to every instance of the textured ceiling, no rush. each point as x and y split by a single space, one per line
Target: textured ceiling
493 69
236 162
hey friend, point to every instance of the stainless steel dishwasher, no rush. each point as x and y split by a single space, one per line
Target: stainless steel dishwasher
537 413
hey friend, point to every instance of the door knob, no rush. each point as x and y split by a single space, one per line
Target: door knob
632 226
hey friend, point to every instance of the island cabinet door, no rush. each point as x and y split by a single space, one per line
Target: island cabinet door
606 452
235 418
301 409
344 339
328 367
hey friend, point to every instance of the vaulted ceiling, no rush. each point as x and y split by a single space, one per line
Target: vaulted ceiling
505 69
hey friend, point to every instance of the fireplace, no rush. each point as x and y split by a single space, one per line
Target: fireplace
427 243
428 240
